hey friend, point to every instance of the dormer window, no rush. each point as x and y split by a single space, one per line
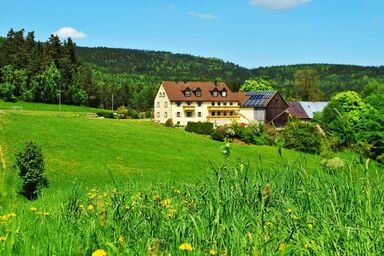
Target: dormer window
187 93
224 93
215 93
198 92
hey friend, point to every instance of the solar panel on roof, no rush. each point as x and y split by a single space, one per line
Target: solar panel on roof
258 99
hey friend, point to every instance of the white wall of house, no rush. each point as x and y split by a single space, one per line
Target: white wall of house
163 107
252 114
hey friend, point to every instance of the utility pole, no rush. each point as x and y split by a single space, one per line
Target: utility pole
112 102
60 100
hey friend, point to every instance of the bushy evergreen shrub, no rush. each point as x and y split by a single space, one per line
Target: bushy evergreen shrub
30 163
105 114
169 122
219 134
200 128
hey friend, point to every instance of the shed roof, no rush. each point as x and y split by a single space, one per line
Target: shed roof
258 99
310 107
296 110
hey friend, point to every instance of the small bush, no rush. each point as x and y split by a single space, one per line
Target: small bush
105 114
220 133
30 163
304 137
200 128
332 165
122 112
133 114
169 122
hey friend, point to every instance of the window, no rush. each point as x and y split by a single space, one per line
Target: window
187 93
225 103
158 104
188 114
199 114
178 122
178 114
198 93
165 114
218 113
218 103
188 103
225 113
231 103
199 103
224 93
213 103
178 103
158 114
165 104
231 113
214 93
213 113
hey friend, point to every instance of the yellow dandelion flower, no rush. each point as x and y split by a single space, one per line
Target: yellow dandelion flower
177 191
171 213
33 209
81 206
121 239
2 238
99 252
185 247
250 237
91 207
212 252
289 210
282 247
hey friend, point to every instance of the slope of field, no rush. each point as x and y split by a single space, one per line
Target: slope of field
83 149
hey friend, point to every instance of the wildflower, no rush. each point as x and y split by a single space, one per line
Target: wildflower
310 226
212 252
81 206
268 224
177 191
121 239
295 217
33 209
99 252
2 238
282 247
289 210
90 207
250 237
171 213
309 244
266 191
12 215
166 202
185 247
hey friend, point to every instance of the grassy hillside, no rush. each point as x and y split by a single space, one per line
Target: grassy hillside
82 149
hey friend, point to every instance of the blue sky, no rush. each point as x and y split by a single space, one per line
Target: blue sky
251 33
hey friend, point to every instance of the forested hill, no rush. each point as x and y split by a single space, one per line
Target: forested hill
165 65
331 78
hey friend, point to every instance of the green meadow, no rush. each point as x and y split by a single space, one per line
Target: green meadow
133 187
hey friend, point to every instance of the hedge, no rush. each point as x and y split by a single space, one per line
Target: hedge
200 128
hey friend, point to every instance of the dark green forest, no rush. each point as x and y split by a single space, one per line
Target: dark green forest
46 71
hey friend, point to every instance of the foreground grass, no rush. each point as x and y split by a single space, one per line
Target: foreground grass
284 210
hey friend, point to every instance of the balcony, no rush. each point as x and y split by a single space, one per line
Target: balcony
223 108
212 118
189 108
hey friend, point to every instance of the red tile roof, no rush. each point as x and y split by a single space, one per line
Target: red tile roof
296 110
175 91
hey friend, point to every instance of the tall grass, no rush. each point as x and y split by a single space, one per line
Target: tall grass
237 210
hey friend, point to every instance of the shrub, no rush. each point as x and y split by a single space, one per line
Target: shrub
220 133
200 128
169 122
332 165
133 114
105 114
122 112
303 137
30 163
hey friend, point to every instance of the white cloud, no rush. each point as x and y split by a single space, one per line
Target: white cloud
69 32
279 4
205 16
